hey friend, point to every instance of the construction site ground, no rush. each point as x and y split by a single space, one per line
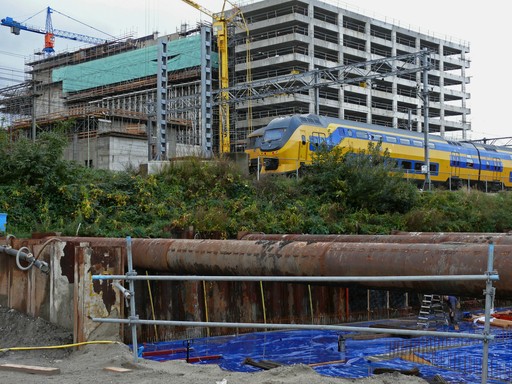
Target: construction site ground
303 355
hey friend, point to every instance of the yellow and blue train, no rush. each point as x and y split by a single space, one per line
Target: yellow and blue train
287 144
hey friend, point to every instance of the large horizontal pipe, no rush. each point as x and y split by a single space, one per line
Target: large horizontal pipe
299 258
403 238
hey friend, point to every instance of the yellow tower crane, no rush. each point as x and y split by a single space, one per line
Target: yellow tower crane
220 30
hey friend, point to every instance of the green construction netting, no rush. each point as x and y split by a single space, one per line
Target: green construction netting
182 53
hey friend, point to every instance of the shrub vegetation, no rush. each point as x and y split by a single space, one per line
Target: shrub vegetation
338 193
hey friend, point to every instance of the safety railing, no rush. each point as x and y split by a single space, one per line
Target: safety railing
133 320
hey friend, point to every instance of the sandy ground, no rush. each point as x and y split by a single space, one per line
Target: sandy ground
86 365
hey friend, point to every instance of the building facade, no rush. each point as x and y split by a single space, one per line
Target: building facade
293 36
108 93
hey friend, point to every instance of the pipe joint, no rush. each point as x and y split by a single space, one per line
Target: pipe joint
126 292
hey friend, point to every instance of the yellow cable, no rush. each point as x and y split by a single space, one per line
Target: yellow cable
311 304
206 309
152 306
263 303
59 346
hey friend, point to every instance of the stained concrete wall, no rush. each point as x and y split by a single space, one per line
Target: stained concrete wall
116 153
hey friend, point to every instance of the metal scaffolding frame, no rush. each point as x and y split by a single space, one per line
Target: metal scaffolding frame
489 276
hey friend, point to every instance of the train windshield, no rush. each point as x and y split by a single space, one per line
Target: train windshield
273 134
254 139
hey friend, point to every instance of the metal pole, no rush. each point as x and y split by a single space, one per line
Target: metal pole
316 279
347 328
258 170
316 89
425 117
88 164
133 316
489 298
34 111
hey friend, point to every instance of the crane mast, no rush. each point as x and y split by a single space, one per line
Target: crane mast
220 29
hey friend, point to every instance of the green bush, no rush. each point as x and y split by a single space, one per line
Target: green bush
365 180
339 193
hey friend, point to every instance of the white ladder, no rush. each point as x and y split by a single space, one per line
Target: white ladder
431 310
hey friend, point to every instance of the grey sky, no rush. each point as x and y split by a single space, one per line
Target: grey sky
486 28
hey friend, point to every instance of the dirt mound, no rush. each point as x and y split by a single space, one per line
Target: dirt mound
19 330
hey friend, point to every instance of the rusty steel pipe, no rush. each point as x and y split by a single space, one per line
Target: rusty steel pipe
402 238
299 258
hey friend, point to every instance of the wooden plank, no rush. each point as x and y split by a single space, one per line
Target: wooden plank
161 352
33 369
409 372
263 364
328 363
414 358
117 369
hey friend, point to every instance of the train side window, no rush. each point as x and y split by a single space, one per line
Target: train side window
362 135
391 139
316 139
377 137
431 145
405 141
350 133
434 167
418 165
406 164
417 143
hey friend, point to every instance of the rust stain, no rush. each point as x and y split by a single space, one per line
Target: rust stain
67 262
103 259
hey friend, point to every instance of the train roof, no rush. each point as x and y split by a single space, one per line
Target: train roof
325 121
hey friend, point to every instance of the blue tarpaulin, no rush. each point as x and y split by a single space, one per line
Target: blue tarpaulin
456 360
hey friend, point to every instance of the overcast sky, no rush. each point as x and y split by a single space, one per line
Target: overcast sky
486 29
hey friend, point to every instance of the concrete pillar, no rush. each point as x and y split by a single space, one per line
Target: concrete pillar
341 54
394 80
368 56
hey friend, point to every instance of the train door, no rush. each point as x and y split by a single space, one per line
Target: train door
303 147
455 164
496 169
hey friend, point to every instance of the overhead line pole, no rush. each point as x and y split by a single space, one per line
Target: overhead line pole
425 98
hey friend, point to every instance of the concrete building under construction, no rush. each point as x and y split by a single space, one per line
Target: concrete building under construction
111 93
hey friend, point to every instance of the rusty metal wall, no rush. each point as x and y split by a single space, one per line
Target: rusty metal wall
234 302
68 295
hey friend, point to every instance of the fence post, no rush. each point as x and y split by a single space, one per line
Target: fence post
489 297
131 282
258 170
